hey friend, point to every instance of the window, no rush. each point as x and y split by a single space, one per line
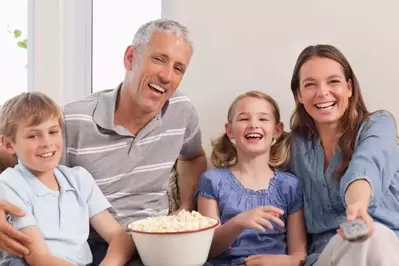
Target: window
13 52
114 24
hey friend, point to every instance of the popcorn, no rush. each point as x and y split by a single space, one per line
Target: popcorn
183 221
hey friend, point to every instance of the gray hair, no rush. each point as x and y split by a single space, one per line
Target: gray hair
145 32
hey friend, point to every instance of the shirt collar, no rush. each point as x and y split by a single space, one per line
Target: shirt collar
37 186
104 112
105 109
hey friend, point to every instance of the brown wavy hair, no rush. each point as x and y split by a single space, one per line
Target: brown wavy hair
224 153
353 117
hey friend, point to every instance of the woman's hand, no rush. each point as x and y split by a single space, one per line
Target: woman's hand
11 240
260 217
358 211
357 198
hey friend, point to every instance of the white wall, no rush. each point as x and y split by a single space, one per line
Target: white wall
59 44
252 45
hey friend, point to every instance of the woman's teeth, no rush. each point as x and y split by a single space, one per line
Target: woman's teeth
325 105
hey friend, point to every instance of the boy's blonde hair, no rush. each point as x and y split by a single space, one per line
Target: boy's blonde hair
31 107
224 152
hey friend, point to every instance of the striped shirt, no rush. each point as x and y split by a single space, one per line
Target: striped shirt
132 171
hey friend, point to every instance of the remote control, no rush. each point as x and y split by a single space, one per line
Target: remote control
355 230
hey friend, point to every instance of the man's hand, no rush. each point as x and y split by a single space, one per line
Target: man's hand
11 240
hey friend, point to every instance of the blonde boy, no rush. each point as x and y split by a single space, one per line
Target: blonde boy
60 202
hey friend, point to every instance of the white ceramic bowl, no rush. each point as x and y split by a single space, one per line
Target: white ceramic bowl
186 248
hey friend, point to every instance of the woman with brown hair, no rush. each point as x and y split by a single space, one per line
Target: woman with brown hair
348 161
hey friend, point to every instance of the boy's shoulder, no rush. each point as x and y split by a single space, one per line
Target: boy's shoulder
12 181
78 177
13 177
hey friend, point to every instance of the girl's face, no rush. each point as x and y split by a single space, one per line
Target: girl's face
323 90
253 126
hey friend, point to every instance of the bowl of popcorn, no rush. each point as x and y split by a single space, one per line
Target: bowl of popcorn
177 240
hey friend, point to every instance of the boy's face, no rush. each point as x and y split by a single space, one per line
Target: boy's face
38 147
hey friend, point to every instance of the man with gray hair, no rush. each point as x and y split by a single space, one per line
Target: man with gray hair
129 137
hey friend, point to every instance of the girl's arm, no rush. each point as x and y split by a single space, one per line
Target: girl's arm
224 234
39 253
296 237
296 241
121 246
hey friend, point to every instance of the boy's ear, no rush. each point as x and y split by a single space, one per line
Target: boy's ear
6 145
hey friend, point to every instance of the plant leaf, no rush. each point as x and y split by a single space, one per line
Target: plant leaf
17 33
23 44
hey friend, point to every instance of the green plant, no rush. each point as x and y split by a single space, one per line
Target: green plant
17 34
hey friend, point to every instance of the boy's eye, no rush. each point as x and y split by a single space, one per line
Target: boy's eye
31 136
53 132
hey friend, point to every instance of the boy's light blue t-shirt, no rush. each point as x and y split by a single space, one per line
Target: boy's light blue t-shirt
62 216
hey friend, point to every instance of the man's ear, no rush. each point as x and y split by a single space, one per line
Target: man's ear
129 57
6 145
229 132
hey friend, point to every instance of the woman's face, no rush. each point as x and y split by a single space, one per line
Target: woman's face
323 90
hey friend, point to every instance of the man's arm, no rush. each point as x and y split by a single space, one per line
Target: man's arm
189 171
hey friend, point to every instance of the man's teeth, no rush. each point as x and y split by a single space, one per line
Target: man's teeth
157 87
325 105
46 155
253 135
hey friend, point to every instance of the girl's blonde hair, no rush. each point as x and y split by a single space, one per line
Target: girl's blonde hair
224 153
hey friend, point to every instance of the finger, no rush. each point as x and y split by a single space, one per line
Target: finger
265 222
273 209
257 226
274 219
7 207
10 251
340 232
13 245
369 221
251 257
10 232
352 213
254 262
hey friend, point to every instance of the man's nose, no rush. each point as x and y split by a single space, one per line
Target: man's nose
165 75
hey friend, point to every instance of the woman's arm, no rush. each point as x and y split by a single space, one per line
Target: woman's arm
121 246
374 160
39 253
224 234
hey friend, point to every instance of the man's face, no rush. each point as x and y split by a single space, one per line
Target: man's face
155 71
